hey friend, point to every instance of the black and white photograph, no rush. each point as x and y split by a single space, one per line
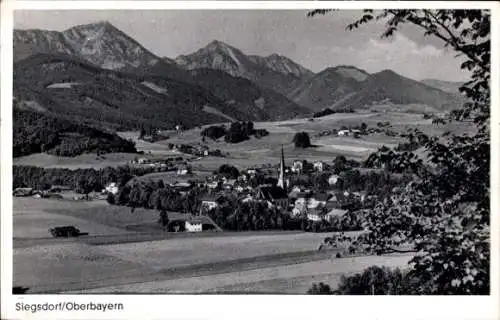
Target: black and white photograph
251 151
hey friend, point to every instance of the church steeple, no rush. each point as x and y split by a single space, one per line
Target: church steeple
281 178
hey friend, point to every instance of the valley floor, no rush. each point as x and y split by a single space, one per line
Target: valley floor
113 259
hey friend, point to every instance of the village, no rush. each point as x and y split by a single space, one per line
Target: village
289 190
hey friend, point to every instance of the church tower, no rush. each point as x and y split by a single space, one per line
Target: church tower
281 178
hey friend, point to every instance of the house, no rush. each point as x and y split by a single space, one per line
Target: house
316 215
247 198
332 180
335 213
213 184
318 199
194 225
183 170
142 160
23 192
209 202
252 171
182 187
307 167
343 132
297 166
319 166
296 190
111 188
273 194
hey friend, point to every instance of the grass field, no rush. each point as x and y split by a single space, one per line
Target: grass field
267 149
291 279
189 251
33 217
278 262
82 161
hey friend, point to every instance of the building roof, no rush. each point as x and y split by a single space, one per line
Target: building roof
336 213
273 192
303 194
322 196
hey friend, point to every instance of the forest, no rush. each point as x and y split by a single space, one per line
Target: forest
35 132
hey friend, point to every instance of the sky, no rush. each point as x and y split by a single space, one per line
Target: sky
316 43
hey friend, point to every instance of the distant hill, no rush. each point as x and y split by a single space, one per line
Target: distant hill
447 86
69 86
282 65
388 86
35 132
329 86
252 102
267 72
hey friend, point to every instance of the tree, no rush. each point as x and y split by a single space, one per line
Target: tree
86 182
163 220
339 164
320 288
142 132
445 219
228 171
301 140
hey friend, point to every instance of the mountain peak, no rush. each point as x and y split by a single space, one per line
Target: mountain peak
99 43
349 71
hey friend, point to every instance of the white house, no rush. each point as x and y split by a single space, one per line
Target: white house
319 166
332 180
343 132
209 203
252 171
313 216
194 225
112 188
213 184
297 166
317 200
335 213
182 171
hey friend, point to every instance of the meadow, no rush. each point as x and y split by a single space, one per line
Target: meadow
266 150
98 261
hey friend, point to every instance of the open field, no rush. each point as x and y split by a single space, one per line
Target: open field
291 279
254 151
33 217
111 256
81 161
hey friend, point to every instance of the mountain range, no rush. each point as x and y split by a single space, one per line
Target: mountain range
99 75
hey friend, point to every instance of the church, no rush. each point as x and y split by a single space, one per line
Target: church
276 194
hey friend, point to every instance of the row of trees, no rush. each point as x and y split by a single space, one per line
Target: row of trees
328 111
237 132
81 180
156 195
